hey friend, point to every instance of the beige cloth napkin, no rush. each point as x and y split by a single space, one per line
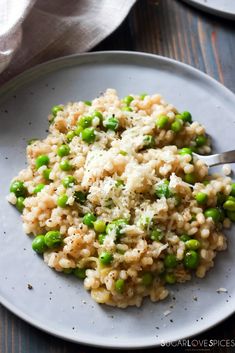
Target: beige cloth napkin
32 31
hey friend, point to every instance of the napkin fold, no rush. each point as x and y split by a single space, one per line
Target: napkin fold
32 31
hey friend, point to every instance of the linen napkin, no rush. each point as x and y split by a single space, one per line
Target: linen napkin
32 31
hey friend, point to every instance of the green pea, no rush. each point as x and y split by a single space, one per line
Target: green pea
65 165
97 114
38 188
231 198
127 100
111 228
162 121
80 272
56 109
18 188
231 215
162 190
70 135
233 190
214 213
123 153
105 258
120 285
62 201
99 226
229 205
20 203
186 117
191 259
127 109
201 198
176 126
46 173
69 181
185 150
101 238
149 141
147 279
63 150
42 160
111 124
88 135
156 235
78 131
190 178
80 197
201 140
185 237
39 244
88 103
192 244
170 261
169 278
89 219
85 121
53 239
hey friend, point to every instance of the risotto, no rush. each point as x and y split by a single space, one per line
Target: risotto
114 196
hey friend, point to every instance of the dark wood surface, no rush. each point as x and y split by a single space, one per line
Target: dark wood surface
169 28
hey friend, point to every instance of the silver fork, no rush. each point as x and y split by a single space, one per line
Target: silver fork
216 159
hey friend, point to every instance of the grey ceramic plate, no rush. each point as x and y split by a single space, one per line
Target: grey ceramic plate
223 8
59 304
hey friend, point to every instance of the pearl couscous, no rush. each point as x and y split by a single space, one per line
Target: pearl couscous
114 196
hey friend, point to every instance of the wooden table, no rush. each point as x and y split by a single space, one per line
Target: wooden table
169 28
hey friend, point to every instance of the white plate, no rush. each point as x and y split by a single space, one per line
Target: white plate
59 304
223 8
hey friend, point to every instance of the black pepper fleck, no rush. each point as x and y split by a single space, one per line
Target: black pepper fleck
30 286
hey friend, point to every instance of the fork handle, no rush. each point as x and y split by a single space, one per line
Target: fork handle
216 159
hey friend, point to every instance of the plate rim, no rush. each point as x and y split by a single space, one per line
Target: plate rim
41 69
211 10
